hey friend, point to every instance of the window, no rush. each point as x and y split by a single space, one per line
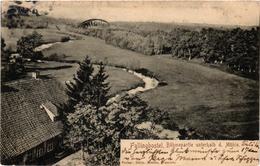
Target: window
39 151
49 146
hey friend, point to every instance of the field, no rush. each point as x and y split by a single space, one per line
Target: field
119 80
215 103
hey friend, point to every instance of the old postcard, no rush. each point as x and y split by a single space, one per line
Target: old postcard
130 83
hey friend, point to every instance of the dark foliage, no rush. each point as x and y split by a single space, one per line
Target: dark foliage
99 130
79 89
235 48
87 87
65 39
27 44
100 88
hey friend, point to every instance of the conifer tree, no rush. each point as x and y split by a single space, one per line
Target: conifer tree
81 84
100 87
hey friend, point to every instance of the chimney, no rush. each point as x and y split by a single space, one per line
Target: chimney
35 74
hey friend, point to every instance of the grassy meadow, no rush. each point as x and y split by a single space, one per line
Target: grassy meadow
211 101
119 80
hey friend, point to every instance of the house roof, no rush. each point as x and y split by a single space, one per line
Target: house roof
24 125
51 107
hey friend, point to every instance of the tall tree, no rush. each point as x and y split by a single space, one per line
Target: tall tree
100 87
79 89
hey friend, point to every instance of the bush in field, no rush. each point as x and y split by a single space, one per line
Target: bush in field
53 57
65 39
27 44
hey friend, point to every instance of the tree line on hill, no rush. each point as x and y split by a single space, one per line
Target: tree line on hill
236 48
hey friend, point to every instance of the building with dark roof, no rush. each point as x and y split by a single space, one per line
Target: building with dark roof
30 127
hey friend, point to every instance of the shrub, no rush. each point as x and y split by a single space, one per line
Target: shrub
53 57
65 39
27 44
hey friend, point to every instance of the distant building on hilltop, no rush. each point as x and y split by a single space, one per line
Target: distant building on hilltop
30 125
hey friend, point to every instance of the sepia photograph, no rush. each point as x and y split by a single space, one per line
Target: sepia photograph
79 77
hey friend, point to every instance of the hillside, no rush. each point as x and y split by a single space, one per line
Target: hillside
217 104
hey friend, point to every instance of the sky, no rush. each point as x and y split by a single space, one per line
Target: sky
210 12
